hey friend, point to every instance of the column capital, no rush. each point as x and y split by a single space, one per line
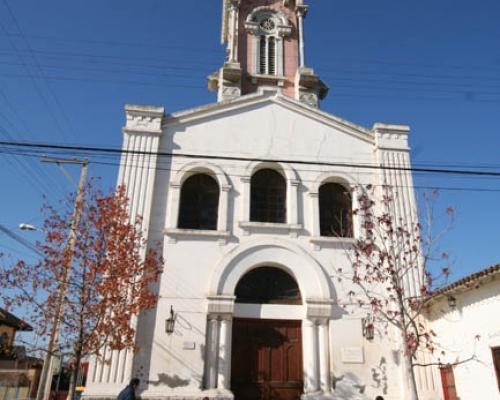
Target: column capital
213 317
220 305
226 317
234 4
301 10
391 137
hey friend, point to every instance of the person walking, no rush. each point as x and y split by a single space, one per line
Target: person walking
129 392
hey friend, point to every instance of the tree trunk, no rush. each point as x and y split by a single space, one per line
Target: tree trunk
411 383
74 374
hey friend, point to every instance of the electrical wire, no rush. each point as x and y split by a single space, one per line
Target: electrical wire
110 150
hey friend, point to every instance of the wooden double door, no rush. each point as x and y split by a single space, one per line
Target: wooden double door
266 360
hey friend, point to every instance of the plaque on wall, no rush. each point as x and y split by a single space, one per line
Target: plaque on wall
189 346
352 355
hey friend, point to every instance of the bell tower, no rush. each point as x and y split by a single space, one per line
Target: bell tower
265 49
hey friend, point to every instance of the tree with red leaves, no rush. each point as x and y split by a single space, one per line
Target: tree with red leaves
390 272
96 286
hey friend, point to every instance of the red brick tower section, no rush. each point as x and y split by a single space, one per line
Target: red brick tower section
265 50
248 47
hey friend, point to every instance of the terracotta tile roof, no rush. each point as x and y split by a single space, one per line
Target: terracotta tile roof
470 280
6 318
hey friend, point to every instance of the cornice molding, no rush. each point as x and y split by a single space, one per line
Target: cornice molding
271 97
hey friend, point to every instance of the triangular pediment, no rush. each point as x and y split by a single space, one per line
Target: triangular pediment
251 102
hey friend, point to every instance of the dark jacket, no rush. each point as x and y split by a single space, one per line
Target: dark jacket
127 394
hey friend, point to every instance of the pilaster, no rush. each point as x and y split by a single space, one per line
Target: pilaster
392 153
142 133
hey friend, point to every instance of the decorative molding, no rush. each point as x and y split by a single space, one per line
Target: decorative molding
266 96
220 305
309 88
269 226
143 119
176 232
237 261
188 169
324 241
283 26
318 309
391 137
262 78
228 82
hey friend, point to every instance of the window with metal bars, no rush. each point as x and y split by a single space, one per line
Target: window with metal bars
335 210
268 197
199 203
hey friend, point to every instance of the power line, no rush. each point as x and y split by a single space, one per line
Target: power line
158 167
24 167
109 150
41 71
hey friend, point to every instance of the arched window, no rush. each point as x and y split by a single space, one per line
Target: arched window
199 203
267 60
268 285
268 197
335 210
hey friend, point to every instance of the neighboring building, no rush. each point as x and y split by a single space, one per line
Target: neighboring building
254 213
466 318
19 373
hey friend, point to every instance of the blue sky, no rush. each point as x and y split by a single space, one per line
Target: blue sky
68 67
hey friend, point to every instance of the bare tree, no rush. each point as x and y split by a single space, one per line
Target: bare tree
390 271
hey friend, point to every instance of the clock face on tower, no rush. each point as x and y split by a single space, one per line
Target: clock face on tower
267 25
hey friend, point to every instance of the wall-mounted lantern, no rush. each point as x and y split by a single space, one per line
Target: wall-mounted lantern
452 302
368 328
170 322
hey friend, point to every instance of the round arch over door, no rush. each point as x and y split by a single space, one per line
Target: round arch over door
267 362
310 276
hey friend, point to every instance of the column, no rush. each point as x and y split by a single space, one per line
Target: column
212 347
233 31
310 355
292 202
222 224
324 356
245 198
173 206
224 359
316 232
301 12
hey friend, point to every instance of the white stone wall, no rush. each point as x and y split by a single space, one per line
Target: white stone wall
202 268
470 330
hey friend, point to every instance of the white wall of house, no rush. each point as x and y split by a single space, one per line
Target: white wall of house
472 329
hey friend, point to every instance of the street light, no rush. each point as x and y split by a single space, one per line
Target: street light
28 227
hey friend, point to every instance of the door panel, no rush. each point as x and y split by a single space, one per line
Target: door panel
266 360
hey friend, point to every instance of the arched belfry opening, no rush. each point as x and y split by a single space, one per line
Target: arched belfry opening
268 285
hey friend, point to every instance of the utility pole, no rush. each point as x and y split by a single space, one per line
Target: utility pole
45 381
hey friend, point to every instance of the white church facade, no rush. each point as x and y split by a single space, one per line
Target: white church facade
250 199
